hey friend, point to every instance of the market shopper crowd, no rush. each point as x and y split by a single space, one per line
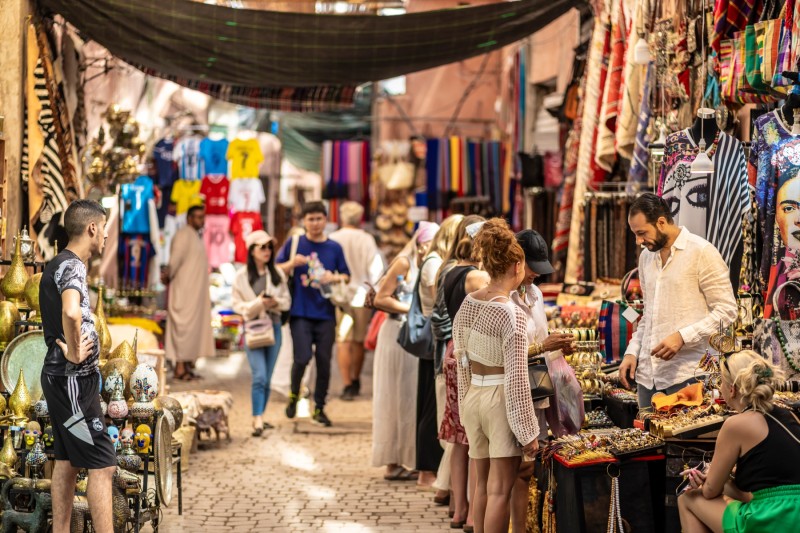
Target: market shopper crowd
461 419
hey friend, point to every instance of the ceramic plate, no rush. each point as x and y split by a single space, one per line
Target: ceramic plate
26 352
163 457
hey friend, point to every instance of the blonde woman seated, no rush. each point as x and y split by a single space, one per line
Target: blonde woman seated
763 443
490 339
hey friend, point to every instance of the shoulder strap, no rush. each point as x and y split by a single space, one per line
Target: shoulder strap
784 427
293 247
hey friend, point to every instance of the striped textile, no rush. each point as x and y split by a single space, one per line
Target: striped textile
729 198
260 48
731 16
615 330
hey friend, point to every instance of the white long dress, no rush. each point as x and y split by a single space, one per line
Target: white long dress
394 402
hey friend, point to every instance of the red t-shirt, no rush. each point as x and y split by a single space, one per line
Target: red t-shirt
242 225
215 190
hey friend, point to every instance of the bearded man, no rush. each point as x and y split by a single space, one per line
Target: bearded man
687 295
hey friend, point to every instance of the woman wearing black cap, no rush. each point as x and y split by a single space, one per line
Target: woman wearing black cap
530 299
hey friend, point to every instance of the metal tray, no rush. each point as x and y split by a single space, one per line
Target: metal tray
162 452
26 352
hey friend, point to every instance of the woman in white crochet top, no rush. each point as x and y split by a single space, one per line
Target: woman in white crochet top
491 344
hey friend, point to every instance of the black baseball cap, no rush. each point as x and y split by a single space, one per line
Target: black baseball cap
535 249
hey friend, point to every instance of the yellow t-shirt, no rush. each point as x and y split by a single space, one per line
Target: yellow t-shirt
245 157
186 194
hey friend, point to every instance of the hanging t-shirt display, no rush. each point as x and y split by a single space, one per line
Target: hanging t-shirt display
135 198
245 157
246 195
166 170
775 153
242 225
185 194
217 240
708 205
213 155
187 155
214 188
135 253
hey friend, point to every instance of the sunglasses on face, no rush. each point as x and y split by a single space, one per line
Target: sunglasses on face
264 246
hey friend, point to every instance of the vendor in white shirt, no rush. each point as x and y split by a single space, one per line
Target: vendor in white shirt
687 293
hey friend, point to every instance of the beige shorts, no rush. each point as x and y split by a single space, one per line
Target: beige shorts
352 327
483 413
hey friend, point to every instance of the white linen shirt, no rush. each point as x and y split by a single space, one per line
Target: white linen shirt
691 294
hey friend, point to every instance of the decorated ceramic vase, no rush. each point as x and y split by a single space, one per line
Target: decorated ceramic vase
36 458
117 408
124 368
144 383
114 382
142 410
128 459
103 406
40 408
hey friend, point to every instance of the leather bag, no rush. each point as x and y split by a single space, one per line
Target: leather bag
416 335
539 377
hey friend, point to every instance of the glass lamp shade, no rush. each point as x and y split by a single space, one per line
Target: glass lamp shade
641 52
702 164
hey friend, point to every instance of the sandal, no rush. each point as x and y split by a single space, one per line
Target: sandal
396 474
267 425
257 432
409 475
186 376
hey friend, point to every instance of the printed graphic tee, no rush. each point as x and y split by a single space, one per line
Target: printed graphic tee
213 156
245 157
135 198
242 225
246 195
217 239
63 273
187 154
215 190
185 194
166 171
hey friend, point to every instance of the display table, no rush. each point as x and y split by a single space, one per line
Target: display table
583 494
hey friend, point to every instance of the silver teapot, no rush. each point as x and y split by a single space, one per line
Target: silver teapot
27 246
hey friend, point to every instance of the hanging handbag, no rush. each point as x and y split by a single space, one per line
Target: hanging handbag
778 340
371 339
259 333
784 59
617 324
539 378
415 335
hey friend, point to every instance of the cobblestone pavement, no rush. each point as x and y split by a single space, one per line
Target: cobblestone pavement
297 477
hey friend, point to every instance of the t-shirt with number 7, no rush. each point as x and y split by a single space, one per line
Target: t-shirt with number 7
245 157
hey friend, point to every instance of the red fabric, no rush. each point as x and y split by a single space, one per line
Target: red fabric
215 190
242 225
451 430
371 340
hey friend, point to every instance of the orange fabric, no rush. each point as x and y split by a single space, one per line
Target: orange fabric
689 396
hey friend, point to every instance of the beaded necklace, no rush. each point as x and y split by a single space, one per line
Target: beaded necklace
790 357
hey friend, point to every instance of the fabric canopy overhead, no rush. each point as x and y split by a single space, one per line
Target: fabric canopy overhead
241 48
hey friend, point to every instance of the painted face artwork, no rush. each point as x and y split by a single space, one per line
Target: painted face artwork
787 213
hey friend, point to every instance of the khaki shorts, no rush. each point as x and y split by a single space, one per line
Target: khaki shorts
483 413
352 327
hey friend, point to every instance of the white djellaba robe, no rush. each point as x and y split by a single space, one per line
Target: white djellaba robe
189 334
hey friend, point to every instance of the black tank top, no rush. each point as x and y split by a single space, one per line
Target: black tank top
455 288
768 463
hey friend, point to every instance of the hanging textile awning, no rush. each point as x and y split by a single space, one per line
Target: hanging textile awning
243 48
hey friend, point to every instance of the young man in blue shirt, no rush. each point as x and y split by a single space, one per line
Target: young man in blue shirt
313 316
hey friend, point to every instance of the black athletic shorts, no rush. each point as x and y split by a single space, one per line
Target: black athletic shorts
79 430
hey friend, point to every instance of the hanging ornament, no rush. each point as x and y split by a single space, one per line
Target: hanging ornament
641 51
